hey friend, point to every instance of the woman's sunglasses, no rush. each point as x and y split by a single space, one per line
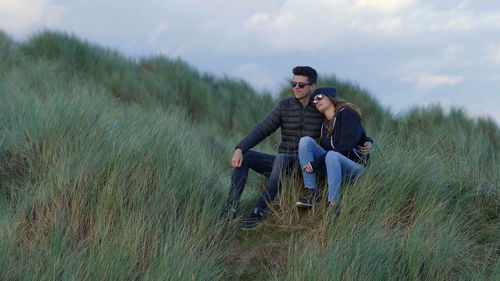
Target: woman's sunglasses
301 85
318 98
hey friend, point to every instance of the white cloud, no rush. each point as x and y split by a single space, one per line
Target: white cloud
19 15
53 14
157 32
491 20
382 25
329 24
254 75
427 80
206 26
344 24
384 6
283 19
457 23
389 24
454 49
257 19
493 50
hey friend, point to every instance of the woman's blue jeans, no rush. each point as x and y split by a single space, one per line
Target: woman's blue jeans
337 167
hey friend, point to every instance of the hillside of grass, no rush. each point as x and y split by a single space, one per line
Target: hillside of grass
116 168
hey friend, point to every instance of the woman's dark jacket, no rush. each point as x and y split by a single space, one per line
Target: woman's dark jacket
348 134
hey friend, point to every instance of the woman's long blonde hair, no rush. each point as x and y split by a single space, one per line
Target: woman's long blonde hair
340 104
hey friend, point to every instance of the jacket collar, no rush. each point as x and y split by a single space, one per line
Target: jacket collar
310 103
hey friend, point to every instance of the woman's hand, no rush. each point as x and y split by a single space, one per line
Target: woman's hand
308 168
366 148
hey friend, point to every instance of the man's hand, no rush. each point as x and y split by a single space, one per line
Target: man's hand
366 148
237 158
308 168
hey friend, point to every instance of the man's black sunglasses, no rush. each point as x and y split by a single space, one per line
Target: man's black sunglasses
301 85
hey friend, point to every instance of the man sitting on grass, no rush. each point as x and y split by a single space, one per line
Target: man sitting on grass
298 117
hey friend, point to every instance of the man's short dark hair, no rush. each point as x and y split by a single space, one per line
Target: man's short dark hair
308 71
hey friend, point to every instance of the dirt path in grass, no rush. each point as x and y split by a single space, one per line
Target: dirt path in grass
258 261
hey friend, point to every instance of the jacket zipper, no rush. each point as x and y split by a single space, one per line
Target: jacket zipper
301 129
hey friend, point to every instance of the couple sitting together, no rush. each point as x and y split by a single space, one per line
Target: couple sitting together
324 130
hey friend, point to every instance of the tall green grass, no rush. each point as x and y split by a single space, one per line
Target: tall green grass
114 168
94 189
418 213
152 81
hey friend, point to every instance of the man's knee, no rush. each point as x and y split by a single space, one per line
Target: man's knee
250 155
247 157
280 160
283 161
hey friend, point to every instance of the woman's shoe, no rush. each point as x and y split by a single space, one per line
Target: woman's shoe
309 200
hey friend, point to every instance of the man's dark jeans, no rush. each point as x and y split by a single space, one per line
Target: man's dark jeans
272 166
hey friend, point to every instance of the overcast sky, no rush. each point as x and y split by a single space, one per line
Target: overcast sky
406 52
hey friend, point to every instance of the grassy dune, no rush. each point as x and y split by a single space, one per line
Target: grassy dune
114 168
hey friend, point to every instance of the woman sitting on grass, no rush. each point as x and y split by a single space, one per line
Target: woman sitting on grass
341 136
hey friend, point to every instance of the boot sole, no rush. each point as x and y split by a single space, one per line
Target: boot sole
303 205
